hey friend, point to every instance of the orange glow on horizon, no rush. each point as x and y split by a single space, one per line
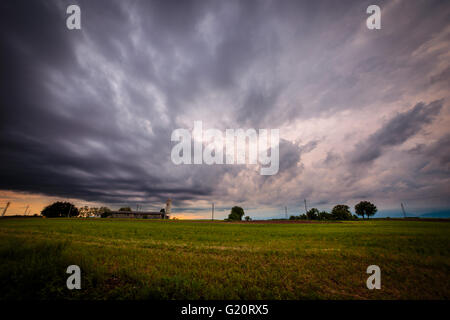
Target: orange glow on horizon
37 202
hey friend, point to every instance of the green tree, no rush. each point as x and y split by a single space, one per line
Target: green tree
341 212
365 208
236 213
125 209
104 212
247 218
60 209
323 215
104 209
313 214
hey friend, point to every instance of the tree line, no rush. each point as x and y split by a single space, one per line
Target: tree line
339 212
60 209
64 209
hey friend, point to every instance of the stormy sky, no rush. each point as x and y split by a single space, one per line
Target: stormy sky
87 115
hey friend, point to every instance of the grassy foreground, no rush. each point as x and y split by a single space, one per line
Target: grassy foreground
142 259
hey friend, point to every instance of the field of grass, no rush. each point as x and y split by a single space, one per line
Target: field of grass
144 259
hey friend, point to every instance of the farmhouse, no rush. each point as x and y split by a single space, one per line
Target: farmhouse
165 214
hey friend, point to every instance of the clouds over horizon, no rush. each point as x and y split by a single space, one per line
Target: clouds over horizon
362 114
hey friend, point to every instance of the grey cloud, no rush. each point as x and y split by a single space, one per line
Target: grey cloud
435 156
396 131
290 154
331 159
441 76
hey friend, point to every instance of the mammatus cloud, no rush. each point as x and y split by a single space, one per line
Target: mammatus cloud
88 114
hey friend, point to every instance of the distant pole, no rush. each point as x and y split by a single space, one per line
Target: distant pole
212 212
26 209
285 211
403 209
306 211
5 208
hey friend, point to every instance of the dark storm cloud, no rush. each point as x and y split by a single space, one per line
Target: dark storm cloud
61 126
64 138
88 114
396 131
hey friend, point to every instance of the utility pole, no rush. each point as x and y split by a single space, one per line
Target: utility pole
306 211
26 209
70 210
212 212
403 209
285 212
5 208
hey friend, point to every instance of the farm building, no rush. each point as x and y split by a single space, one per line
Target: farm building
164 214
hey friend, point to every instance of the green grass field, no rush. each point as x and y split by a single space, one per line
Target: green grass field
143 259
